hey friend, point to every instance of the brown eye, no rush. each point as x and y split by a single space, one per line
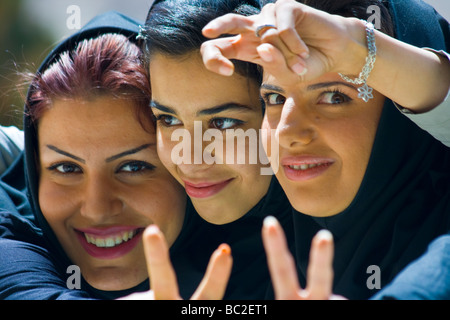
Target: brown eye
274 99
334 98
225 123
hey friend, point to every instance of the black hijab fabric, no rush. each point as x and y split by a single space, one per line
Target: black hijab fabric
111 22
404 200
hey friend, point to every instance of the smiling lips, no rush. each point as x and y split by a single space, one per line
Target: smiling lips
305 168
205 189
109 243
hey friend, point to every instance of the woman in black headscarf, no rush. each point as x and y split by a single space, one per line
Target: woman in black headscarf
92 188
396 198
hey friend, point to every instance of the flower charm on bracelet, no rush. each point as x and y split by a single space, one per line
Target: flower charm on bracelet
365 92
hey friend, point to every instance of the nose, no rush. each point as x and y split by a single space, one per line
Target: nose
101 202
191 156
296 127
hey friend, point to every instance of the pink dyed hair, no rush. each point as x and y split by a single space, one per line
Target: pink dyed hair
107 65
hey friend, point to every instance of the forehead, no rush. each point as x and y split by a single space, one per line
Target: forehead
185 84
103 120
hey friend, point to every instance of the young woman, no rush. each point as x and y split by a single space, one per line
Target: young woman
357 167
93 174
230 197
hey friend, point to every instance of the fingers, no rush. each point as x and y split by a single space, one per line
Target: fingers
280 261
215 53
228 24
320 267
163 280
274 64
293 61
218 52
215 281
288 15
285 37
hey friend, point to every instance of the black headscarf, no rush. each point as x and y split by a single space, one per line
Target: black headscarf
404 200
111 22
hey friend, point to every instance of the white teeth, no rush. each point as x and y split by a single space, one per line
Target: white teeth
100 243
304 166
110 241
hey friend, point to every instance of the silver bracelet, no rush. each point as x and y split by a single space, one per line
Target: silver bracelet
365 92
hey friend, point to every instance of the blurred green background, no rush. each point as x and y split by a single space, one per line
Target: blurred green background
22 46
30 28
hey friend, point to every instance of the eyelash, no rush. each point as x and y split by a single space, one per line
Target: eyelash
337 91
144 166
160 119
54 168
266 97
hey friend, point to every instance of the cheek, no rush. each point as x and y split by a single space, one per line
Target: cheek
270 143
163 202
267 137
164 149
56 202
354 145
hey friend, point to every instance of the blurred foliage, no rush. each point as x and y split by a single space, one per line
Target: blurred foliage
23 46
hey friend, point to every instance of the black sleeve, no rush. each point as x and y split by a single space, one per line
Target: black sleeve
28 273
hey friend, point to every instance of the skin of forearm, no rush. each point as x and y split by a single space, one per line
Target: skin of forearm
415 78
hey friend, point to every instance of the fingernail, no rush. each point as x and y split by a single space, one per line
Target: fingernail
225 71
299 69
264 53
304 55
270 221
210 25
324 234
225 249
152 229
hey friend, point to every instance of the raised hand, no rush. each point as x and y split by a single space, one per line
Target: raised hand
305 43
311 42
163 280
282 266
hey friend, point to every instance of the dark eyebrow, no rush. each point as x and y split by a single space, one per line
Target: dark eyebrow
128 152
210 111
163 108
329 84
315 86
271 87
115 157
64 153
232 106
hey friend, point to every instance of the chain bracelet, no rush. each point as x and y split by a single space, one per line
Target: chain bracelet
365 92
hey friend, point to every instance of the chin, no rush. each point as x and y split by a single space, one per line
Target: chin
113 280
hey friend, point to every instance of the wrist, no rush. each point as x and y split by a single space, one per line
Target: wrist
355 53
